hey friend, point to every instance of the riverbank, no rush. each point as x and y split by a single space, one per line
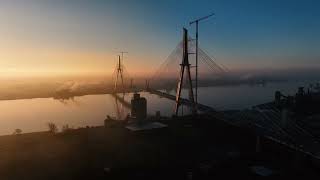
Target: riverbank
68 89
203 148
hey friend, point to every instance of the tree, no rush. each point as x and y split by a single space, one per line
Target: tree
52 128
17 132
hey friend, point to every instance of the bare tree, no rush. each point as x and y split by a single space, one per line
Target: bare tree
52 128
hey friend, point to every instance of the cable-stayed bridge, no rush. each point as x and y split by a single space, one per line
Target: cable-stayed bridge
177 72
168 76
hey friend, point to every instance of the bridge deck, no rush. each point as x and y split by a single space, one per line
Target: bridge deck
183 101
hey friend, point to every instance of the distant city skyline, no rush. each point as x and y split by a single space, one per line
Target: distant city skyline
47 37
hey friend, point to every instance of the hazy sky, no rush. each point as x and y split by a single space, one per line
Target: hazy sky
39 37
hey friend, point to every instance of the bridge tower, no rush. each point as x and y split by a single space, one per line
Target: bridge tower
185 68
119 75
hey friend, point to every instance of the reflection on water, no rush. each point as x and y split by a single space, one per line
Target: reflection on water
32 115
120 110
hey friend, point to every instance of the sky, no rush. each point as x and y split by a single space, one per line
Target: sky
58 37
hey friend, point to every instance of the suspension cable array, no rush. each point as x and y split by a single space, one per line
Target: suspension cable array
166 76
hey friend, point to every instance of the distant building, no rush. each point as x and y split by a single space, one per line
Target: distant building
138 108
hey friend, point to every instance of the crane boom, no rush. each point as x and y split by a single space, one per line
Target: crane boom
123 52
203 18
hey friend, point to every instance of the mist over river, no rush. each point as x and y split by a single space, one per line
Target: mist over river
32 115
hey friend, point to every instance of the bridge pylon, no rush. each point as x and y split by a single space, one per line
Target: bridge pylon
185 68
119 75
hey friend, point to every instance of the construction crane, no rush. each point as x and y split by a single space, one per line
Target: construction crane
197 38
122 52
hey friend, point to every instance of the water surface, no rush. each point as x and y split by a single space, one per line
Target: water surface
31 115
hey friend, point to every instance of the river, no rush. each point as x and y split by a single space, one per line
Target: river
32 115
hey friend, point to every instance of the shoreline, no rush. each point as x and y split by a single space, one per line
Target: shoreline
69 95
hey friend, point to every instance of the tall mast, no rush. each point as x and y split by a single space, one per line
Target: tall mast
197 43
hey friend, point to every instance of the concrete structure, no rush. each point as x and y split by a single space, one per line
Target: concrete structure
139 115
185 68
138 107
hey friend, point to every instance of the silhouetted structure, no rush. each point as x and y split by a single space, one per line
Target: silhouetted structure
185 68
197 52
164 75
138 107
119 74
